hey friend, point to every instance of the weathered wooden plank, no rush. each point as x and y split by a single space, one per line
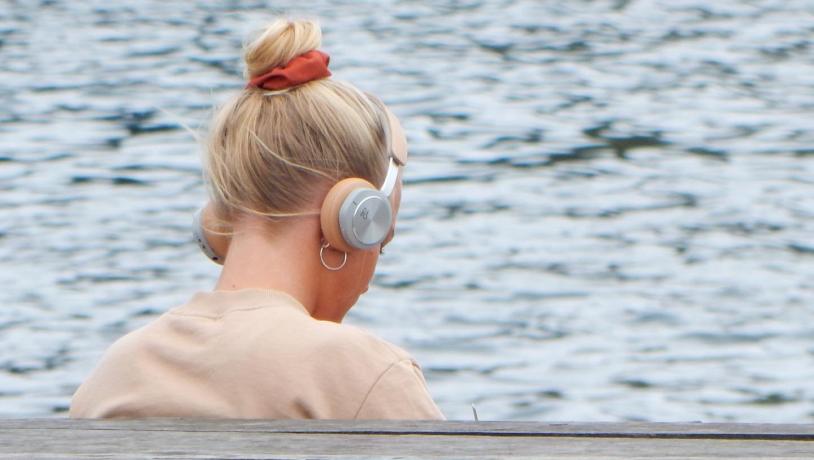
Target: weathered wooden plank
799 432
169 444
167 438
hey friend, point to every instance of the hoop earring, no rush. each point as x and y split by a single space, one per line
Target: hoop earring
322 258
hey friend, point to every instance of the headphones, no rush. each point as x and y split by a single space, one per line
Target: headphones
354 215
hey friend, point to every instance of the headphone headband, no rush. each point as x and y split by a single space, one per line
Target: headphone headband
390 179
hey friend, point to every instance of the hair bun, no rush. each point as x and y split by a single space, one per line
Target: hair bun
280 42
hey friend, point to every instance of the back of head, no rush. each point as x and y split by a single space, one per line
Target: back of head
271 153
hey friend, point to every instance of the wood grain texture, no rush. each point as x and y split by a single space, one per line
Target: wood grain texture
173 438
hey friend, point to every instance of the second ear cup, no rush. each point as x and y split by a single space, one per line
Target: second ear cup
355 215
214 246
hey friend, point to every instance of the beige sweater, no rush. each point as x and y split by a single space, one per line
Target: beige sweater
253 354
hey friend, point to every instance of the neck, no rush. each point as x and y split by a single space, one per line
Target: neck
284 257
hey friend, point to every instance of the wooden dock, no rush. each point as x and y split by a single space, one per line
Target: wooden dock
178 438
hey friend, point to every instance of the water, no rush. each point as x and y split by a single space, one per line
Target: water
607 213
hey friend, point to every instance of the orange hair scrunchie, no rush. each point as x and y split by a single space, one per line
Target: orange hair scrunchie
310 66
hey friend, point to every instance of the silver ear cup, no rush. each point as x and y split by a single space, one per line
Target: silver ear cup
200 238
365 218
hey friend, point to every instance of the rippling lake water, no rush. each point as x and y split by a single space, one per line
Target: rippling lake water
608 213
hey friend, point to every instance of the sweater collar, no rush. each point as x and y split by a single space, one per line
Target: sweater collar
218 303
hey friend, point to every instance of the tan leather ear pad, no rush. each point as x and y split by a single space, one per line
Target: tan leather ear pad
218 243
329 215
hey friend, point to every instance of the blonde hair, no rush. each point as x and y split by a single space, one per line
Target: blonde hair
269 153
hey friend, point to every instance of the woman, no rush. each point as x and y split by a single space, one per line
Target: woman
305 178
